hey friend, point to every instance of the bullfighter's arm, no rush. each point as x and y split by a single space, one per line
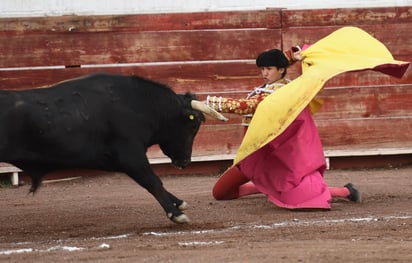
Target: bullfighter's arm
237 106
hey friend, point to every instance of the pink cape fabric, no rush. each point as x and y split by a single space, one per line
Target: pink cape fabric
289 170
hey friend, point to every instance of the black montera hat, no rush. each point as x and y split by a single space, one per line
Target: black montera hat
272 58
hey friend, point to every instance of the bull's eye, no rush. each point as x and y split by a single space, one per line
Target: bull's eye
191 117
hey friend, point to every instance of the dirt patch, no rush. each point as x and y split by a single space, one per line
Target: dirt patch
108 218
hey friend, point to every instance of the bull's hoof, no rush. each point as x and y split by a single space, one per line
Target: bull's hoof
183 206
181 219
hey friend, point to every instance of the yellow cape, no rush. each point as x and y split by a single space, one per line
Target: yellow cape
346 49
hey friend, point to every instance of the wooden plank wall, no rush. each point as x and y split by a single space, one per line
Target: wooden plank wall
212 53
366 112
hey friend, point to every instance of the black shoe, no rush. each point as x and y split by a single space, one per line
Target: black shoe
355 195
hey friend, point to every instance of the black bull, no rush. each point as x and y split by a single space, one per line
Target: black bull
104 122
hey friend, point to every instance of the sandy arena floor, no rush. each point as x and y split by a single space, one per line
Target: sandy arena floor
108 218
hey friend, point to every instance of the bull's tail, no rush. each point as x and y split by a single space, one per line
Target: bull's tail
36 179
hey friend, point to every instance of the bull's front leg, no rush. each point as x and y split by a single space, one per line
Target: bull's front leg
182 205
152 183
177 205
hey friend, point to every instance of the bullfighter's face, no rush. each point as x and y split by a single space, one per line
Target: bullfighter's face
271 74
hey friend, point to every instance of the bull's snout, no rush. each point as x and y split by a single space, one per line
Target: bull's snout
181 164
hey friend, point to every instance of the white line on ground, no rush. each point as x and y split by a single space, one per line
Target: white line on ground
199 243
293 222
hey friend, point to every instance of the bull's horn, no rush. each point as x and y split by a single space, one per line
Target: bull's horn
198 105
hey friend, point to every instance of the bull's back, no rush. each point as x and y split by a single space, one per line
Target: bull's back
85 91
